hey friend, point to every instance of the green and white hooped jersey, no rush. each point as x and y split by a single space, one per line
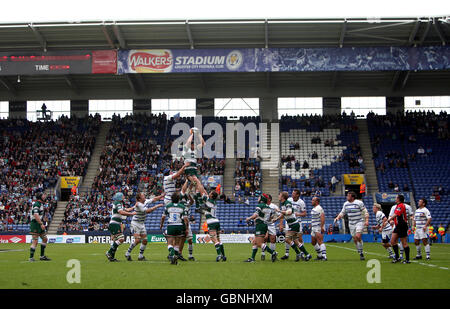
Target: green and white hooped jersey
298 206
265 213
190 156
210 212
175 212
290 219
116 217
38 208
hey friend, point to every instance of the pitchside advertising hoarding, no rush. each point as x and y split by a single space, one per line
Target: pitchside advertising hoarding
58 62
283 59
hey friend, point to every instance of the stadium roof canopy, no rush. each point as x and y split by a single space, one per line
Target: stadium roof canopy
197 34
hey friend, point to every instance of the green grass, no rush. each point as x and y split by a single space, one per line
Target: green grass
342 270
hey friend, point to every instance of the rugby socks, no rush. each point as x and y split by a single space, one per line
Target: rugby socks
191 249
419 250
43 246
318 250
222 249
395 247
389 249
218 250
302 248
141 250
273 246
359 247
407 253
428 250
288 247
177 251
263 250
254 250
114 246
323 249
401 249
171 250
294 246
132 245
264 247
32 250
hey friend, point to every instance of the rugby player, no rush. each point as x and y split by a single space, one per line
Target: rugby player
115 225
421 222
410 216
177 226
292 235
190 155
37 227
400 218
169 183
263 215
318 229
355 211
138 224
271 235
299 208
188 201
384 227
214 225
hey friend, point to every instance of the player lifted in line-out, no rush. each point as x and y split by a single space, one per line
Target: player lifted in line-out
422 220
400 218
358 217
187 199
409 215
318 229
190 155
292 235
271 235
384 227
169 184
138 223
299 208
263 216
177 226
37 227
115 224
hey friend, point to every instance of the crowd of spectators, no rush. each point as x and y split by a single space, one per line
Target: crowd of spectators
247 177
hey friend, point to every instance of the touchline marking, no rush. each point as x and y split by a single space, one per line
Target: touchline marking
377 254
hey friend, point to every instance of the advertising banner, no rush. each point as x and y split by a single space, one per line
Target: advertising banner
58 62
62 239
226 238
14 239
353 179
69 182
283 59
105 239
211 181
389 198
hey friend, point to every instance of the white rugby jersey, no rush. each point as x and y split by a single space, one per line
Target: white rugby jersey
169 187
354 211
421 217
140 208
316 212
379 217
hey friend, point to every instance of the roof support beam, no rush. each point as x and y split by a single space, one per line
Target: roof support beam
395 80
119 36
379 27
132 84
70 82
424 35
405 79
344 29
375 37
413 34
439 31
108 37
5 82
266 34
39 37
189 34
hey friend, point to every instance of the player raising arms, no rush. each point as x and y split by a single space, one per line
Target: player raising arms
188 201
288 213
318 229
210 208
169 183
138 223
422 219
271 234
263 216
299 208
400 218
37 227
115 224
177 226
190 155
355 211
384 227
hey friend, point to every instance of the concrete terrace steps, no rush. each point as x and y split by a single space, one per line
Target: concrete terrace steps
58 216
366 150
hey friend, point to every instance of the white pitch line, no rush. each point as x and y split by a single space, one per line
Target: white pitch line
377 254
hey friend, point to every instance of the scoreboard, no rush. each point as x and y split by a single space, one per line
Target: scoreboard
58 62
